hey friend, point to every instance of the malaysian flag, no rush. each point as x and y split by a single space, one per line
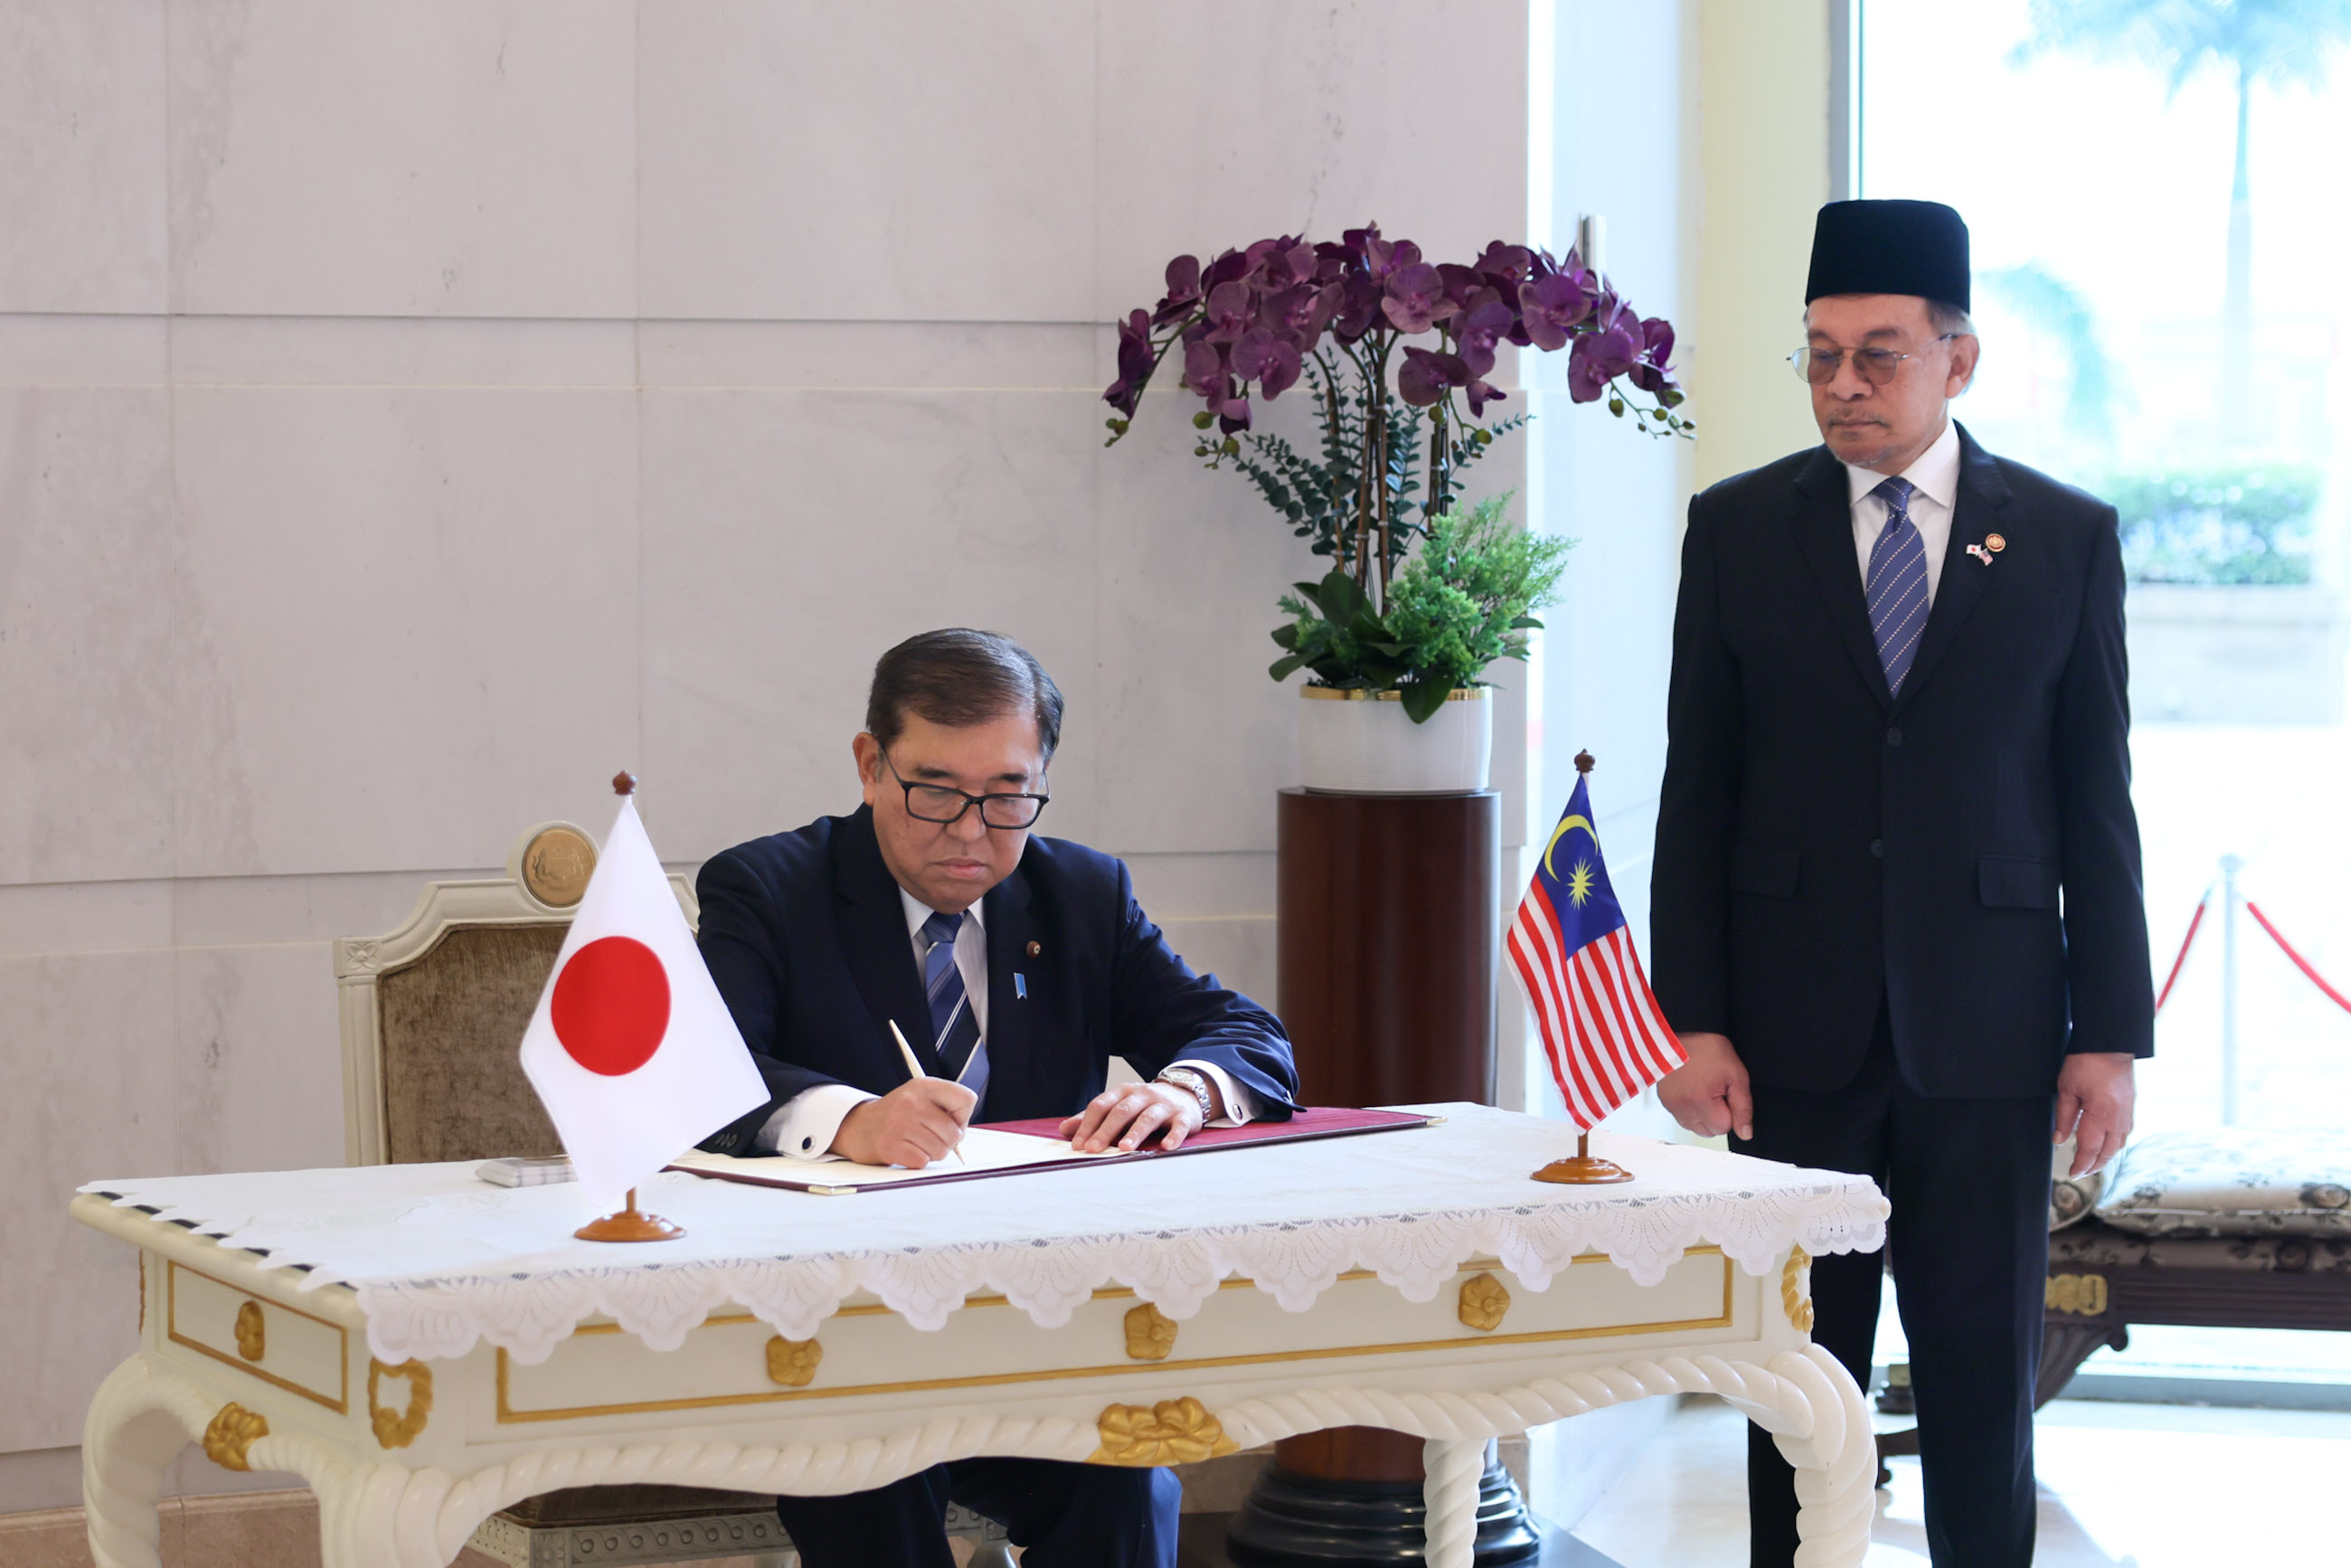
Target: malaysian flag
1600 1025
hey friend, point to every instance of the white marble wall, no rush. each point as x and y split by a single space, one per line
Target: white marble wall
410 414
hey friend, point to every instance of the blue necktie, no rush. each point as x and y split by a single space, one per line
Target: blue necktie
1897 584
955 1031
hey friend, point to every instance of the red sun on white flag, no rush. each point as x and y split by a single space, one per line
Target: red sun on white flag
632 1049
610 1006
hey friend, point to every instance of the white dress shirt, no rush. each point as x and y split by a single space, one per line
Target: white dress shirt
1936 476
806 1124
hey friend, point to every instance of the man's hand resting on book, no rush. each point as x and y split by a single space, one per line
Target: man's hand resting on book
1129 1113
915 1123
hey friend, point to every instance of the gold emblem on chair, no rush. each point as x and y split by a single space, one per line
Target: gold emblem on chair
1795 1299
1172 1432
252 1334
232 1434
793 1362
1484 1300
2081 1295
398 1429
1150 1334
556 867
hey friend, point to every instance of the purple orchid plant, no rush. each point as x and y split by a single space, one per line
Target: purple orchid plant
1254 323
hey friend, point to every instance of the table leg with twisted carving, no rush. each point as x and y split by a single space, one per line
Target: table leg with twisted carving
1451 1497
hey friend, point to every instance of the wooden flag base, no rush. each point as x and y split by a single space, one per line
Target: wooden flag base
631 1225
1582 1169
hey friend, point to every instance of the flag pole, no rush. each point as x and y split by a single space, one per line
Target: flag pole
1582 1169
630 1224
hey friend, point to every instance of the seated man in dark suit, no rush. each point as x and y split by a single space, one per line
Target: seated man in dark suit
1015 969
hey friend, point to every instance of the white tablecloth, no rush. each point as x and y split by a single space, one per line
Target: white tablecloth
439 1260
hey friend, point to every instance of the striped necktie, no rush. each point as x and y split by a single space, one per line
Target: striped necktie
955 1031
1897 584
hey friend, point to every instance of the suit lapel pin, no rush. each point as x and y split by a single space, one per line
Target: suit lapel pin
1035 949
1980 553
1995 543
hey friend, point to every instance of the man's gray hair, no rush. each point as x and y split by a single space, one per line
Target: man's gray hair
1949 320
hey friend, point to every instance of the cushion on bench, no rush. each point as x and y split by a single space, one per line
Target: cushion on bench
2232 1182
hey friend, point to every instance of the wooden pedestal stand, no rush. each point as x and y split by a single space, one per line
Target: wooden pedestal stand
632 1224
1388 946
1583 1168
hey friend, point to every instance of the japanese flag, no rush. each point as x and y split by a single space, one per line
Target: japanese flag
632 1049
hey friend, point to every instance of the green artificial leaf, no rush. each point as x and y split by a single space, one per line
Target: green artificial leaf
1526 623
1340 599
1286 636
1282 669
1423 698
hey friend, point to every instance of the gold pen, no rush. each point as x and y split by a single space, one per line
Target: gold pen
916 1068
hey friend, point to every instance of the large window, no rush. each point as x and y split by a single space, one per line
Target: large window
2156 194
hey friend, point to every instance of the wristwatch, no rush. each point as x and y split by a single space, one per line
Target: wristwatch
1197 1084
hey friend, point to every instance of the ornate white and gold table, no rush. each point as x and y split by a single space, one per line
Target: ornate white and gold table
425 1349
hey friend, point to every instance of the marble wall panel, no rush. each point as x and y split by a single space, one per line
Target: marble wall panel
410 622
791 537
970 355
1192 564
342 350
1251 120
88 565
437 157
82 156
258 1052
64 349
89 1096
84 916
869 160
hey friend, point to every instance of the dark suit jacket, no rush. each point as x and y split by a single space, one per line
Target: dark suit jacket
1966 852
807 938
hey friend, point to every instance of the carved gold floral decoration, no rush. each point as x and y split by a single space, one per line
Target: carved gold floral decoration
1794 1298
397 1429
252 1334
1150 1334
793 1362
2082 1295
1484 1300
232 1434
1172 1432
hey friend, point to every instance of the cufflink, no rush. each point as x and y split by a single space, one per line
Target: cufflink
807 1144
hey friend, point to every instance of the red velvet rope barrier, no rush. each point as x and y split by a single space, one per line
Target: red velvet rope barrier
2338 998
2186 942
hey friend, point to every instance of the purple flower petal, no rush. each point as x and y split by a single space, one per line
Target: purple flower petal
1205 370
1550 305
1229 309
1425 376
1415 298
1506 266
1480 394
1480 331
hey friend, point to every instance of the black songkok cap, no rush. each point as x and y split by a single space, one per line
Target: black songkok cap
1890 247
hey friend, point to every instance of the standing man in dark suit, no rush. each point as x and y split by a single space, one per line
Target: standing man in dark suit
1898 920
1016 968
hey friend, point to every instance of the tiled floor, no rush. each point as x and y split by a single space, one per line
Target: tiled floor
2122 1486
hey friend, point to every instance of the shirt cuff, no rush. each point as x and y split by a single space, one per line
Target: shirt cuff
1240 1105
803 1126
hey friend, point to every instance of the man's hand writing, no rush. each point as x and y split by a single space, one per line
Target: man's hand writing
1129 1114
2096 1095
1709 1093
915 1123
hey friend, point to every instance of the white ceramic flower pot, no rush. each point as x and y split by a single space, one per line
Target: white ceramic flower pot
1364 743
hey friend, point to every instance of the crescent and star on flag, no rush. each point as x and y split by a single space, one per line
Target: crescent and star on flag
1579 879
